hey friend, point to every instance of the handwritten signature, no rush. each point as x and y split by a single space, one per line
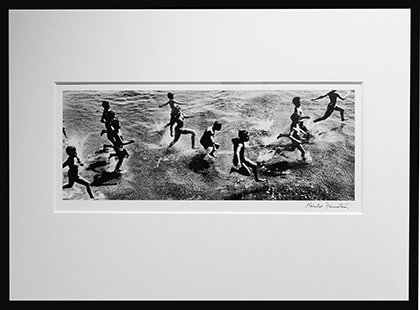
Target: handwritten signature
327 205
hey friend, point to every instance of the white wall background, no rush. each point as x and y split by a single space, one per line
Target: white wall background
146 256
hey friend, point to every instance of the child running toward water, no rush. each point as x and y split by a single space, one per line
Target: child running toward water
107 109
175 110
295 130
241 163
180 130
118 144
331 105
298 110
207 139
73 172
107 116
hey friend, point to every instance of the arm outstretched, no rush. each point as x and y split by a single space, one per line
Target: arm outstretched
320 97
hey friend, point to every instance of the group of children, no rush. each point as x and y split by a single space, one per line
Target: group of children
112 130
241 164
177 118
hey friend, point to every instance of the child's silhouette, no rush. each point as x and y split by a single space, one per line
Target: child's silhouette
73 162
241 163
331 105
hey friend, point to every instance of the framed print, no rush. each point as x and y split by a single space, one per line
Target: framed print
262 203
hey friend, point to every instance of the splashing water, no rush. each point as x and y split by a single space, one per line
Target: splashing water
264 125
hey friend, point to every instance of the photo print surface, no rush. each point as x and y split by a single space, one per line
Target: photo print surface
209 144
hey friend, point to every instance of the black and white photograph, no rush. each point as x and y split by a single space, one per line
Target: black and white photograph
220 144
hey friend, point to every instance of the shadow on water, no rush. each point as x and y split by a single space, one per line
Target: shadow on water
339 128
97 164
103 177
199 163
277 168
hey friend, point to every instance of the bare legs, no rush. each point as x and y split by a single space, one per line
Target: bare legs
329 112
81 181
244 169
184 131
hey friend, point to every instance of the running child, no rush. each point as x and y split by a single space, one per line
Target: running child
243 164
118 144
107 116
107 109
298 110
207 139
180 130
73 162
175 110
331 105
294 135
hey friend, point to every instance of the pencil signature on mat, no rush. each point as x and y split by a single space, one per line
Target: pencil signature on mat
327 205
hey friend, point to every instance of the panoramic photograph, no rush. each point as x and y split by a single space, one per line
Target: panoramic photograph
293 145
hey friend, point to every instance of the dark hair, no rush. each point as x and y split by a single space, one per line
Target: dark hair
70 149
170 95
242 132
296 100
217 125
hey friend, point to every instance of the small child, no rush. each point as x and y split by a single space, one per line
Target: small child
298 110
180 130
175 110
118 144
241 163
295 130
73 172
332 106
207 139
107 116
107 109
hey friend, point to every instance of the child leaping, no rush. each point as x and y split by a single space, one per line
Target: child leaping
118 144
207 139
294 136
180 130
175 110
331 105
298 110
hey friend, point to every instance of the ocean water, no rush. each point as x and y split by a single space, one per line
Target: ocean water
155 172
